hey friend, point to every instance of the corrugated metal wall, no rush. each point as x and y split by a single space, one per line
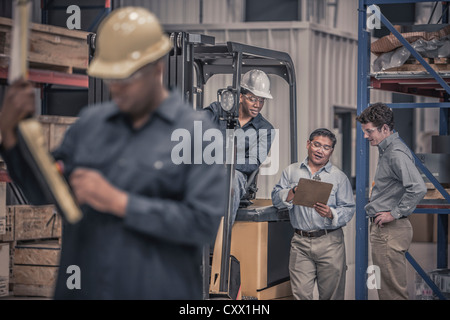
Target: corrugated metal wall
192 11
337 14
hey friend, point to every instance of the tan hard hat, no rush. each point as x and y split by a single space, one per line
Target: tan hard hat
257 82
128 39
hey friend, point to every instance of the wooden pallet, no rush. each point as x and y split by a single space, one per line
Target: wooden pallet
438 64
51 48
433 193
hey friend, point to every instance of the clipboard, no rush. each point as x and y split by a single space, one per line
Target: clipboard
309 192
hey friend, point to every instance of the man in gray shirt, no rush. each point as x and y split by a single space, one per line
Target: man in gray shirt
317 247
397 189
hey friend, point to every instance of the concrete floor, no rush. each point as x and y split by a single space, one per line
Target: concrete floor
424 253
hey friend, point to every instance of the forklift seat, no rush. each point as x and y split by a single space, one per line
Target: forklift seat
250 190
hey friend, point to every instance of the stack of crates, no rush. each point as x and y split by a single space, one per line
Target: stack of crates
30 236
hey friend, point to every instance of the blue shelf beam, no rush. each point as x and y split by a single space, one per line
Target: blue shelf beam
432 210
425 276
362 161
419 105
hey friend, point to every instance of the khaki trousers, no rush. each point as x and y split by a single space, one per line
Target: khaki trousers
320 260
389 244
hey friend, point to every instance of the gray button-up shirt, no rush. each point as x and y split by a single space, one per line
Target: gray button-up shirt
398 185
154 252
341 201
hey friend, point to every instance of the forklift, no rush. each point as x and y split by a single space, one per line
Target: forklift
250 259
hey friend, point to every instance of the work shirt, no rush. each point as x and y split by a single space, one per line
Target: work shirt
253 140
154 252
341 200
398 185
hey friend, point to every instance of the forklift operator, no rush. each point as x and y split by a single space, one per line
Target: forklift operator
255 89
145 219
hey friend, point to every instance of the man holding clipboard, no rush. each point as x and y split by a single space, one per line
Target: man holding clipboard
320 200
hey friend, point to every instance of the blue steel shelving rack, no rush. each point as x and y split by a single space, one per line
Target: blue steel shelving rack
362 164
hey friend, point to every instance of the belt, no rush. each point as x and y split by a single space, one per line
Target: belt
314 234
372 219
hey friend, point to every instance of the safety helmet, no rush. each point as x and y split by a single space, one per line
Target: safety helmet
257 82
128 39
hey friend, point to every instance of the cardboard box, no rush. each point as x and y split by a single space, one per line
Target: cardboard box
422 225
2 207
36 268
262 249
4 269
9 225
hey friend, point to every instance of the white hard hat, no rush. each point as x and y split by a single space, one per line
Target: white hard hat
257 82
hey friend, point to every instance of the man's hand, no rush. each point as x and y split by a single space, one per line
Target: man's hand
91 188
383 217
18 104
323 210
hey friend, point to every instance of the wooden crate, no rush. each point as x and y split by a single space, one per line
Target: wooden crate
36 268
4 269
26 222
55 128
51 47
435 194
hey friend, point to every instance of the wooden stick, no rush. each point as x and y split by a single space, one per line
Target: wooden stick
18 66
